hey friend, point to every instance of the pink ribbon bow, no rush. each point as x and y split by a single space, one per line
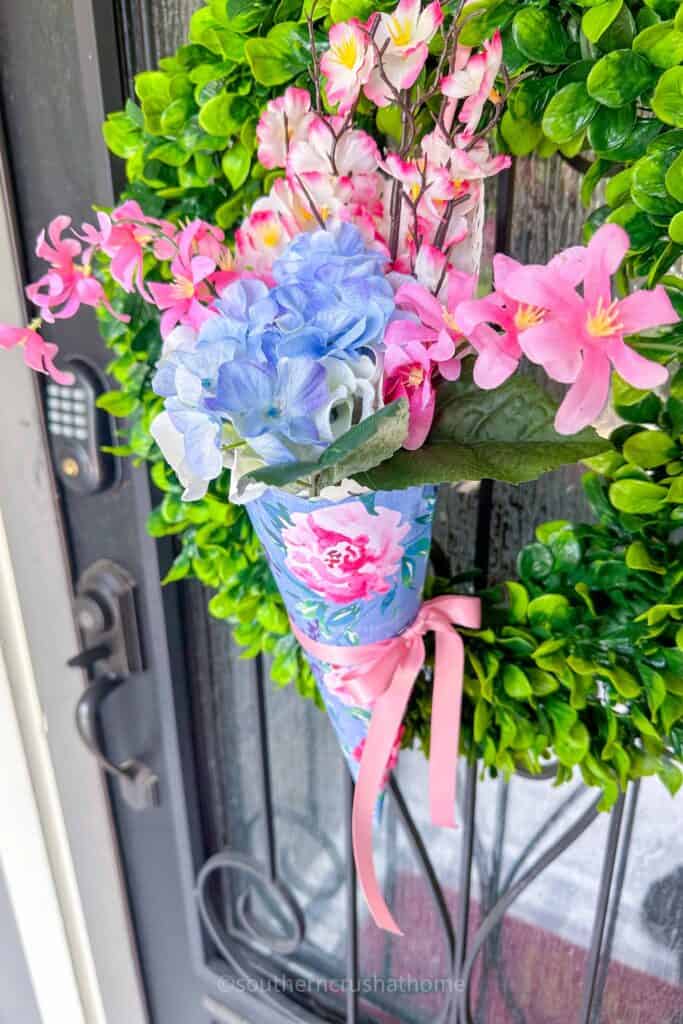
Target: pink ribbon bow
390 669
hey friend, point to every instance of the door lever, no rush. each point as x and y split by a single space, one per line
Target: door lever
105 612
139 784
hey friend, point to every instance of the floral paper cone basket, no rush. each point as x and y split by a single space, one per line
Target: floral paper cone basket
334 357
351 574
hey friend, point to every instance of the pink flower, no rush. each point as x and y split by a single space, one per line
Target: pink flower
579 337
38 353
344 552
474 82
202 239
437 327
421 347
67 285
347 63
499 351
184 301
284 121
327 149
357 754
408 372
402 38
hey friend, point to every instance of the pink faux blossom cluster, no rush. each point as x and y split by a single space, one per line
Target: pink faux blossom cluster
565 317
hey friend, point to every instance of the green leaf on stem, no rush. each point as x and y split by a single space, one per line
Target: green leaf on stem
505 434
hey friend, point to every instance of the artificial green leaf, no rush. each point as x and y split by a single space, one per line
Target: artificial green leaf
662 44
674 178
648 186
519 601
568 112
638 557
504 434
521 135
618 78
667 101
343 10
618 187
281 55
637 497
360 449
643 133
676 228
516 683
598 18
236 164
641 230
620 34
671 775
650 448
117 403
540 35
611 128
549 613
481 18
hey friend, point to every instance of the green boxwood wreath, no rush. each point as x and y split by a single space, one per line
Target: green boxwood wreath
581 657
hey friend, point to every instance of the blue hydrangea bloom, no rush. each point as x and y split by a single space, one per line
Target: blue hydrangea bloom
246 309
257 363
333 296
272 406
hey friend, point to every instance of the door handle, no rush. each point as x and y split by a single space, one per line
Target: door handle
139 785
106 616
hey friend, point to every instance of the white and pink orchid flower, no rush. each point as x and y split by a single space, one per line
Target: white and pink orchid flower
328 149
261 238
402 38
475 82
347 63
285 121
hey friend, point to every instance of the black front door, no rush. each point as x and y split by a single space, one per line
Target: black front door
235 833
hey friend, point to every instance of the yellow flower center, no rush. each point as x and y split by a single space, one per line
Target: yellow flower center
324 212
184 287
401 32
605 320
270 236
495 96
36 324
528 316
347 52
415 190
415 377
85 269
225 260
450 322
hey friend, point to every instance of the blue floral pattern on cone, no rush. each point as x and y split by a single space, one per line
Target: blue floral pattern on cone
350 572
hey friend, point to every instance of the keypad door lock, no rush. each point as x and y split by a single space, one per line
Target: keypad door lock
111 654
79 431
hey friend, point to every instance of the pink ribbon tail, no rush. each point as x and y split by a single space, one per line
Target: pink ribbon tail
397 665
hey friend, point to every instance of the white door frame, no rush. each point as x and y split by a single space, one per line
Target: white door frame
57 845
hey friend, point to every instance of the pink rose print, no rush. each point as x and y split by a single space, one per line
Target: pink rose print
344 553
357 754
